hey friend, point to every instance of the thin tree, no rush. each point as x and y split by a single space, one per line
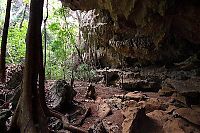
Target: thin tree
45 33
23 16
78 15
4 42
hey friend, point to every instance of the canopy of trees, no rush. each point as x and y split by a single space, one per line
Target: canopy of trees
60 34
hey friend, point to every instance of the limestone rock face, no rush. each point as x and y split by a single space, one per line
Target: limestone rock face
166 29
145 15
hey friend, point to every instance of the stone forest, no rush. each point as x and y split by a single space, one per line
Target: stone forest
100 66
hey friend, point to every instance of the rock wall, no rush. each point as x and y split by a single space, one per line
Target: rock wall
148 31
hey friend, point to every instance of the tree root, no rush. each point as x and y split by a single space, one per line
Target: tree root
84 116
65 122
14 122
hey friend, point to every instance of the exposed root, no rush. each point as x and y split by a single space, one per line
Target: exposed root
84 116
65 122
14 122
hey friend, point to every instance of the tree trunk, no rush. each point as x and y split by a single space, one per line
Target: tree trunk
78 15
4 42
23 16
79 54
45 34
30 116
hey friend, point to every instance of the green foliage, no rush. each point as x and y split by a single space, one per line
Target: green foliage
26 1
84 72
61 37
61 44
16 37
16 44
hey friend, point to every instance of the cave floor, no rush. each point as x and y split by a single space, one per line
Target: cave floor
112 103
153 100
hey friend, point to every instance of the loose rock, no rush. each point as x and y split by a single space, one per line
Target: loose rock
135 96
133 117
62 95
167 90
104 110
189 114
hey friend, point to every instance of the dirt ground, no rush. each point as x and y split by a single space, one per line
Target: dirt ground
114 119
166 101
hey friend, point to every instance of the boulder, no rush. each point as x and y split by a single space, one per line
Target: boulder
135 96
196 108
190 63
141 85
152 104
162 122
91 93
171 109
133 118
167 90
110 75
179 125
178 100
104 110
184 86
113 123
189 114
190 89
61 94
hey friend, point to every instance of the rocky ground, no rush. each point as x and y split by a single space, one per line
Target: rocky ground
146 100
